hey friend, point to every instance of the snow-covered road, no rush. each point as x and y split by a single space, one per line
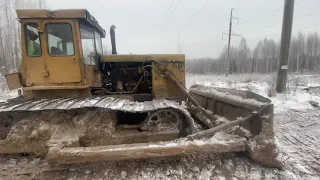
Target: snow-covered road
298 133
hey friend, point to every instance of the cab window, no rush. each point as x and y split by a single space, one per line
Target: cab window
32 40
98 42
60 39
88 46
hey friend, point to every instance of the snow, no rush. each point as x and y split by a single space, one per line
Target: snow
223 95
298 101
94 101
295 98
6 94
223 138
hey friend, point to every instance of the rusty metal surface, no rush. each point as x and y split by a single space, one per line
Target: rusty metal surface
243 99
143 57
232 104
44 13
13 81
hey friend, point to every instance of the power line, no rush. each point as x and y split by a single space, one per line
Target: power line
296 29
171 14
267 13
262 37
306 27
300 1
165 16
311 14
272 25
191 21
259 16
194 16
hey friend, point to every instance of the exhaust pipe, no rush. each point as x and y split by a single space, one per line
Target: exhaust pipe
113 39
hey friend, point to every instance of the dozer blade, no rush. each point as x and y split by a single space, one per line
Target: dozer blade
252 112
220 143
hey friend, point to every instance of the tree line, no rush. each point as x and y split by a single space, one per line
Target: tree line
263 58
10 42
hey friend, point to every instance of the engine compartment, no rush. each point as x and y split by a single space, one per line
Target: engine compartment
126 77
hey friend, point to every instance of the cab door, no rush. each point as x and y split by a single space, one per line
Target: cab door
62 58
33 64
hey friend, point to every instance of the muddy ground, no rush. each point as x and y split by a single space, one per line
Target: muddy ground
297 133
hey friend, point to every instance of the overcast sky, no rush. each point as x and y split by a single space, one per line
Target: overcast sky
140 27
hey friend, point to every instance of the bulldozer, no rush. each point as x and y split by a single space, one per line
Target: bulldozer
78 105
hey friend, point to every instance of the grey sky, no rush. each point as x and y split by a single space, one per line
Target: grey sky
139 28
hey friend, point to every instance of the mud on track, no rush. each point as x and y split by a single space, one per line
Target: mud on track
200 167
297 133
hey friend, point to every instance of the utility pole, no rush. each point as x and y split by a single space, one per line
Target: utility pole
285 45
229 40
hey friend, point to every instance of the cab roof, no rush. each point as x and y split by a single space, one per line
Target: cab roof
60 14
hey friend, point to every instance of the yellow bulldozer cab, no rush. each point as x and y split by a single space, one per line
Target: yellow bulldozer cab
56 44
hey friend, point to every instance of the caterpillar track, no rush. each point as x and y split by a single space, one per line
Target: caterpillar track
94 129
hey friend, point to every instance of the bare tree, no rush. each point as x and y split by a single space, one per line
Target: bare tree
304 54
10 43
243 60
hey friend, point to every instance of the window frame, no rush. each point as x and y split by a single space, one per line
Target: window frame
26 36
100 44
94 42
47 38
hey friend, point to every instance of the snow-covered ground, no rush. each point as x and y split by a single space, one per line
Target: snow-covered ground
297 128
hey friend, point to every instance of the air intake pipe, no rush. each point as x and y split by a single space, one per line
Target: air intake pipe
113 39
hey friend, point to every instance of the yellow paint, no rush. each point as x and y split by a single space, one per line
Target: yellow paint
46 69
44 13
93 76
162 87
144 57
33 67
60 14
38 88
62 69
